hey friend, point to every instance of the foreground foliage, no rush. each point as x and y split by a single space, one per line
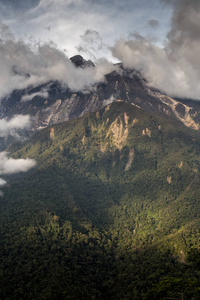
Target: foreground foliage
111 211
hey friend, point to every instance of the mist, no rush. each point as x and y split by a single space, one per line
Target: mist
31 64
9 165
9 127
175 67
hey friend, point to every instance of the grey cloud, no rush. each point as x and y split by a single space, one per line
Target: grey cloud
51 6
72 17
92 44
185 24
153 23
174 69
20 4
168 2
5 32
24 65
144 56
16 123
92 38
43 94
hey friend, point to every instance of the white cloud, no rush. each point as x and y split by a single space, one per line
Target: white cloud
64 21
92 45
175 68
108 101
43 94
103 67
153 62
153 23
2 182
23 65
11 165
16 123
55 3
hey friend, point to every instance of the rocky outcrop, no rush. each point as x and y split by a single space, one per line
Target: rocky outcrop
61 104
80 62
118 131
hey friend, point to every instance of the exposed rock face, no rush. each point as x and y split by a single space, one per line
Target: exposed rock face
146 132
181 111
52 134
119 131
169 179
63 105
79 61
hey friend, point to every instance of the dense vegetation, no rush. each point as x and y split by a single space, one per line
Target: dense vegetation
111 211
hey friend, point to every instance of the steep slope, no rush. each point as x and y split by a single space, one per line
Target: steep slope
52 103
110 211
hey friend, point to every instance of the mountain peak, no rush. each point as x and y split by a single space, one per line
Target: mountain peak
80 62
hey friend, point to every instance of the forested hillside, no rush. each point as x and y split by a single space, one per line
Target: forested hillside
111 211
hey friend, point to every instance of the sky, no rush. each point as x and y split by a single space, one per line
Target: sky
69 23
159 38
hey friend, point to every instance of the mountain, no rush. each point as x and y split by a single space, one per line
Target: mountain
111 211
61 104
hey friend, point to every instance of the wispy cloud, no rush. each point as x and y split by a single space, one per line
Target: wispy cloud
153 23
170 63
24 65
92 45
2 183
28 97
12 166
68 20
9 127
175 68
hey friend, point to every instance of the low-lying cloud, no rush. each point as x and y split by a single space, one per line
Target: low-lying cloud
43 94
109 101
24 65
10 127
175 68
2 182
12 166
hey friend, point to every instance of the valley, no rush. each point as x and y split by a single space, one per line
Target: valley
110 211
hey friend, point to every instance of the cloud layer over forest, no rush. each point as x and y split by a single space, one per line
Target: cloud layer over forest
9 127
11 166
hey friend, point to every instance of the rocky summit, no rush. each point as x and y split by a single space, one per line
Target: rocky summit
99 197
61 104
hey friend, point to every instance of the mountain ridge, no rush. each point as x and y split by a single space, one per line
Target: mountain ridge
61 104
110 211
